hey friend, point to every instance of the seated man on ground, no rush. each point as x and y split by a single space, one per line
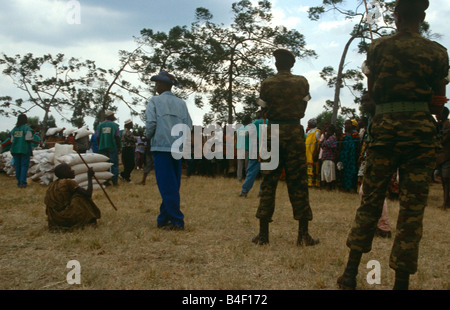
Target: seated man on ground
69 206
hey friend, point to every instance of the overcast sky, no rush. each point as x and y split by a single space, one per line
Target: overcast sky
43 26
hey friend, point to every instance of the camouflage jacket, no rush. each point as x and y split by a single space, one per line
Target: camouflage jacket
284 94
406 67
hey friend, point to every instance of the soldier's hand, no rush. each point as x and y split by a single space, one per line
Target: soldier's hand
436 110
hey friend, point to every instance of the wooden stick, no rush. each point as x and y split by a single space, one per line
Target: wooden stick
101 185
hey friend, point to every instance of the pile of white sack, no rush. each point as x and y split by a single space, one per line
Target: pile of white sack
43 163
99 163
5 163
41 166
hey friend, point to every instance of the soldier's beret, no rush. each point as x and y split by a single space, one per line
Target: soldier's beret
424 3
283 53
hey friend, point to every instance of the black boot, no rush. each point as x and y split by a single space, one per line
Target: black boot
304 237
401 280
348 279
263 236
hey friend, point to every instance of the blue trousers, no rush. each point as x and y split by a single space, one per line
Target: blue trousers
113 156
168 178
252 172
21 163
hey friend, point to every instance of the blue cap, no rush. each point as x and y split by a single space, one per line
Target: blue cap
165 77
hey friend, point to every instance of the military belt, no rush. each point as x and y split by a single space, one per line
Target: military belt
285 122
402 106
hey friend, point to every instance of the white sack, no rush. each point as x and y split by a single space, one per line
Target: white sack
74 159
82 132
102 175
97 167
52 131
61 150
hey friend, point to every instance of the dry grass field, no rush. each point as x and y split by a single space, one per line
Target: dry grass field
126 251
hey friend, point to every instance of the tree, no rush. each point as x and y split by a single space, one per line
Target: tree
174 52
108 86
49 82
219 65
376 20
233 60
325 117
4 135
33 121
373 20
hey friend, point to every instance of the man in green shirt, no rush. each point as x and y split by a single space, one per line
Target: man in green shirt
108 140
21 137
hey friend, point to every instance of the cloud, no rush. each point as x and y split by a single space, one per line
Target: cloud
280 18
47 22
437 17
303 9
341 25
333 44
288 13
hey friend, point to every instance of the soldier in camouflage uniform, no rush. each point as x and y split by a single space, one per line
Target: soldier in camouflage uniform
406 73
286 96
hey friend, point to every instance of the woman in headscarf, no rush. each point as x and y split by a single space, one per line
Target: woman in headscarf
69 206
312 153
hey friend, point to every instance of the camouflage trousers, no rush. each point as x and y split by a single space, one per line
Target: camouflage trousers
415 165
292 157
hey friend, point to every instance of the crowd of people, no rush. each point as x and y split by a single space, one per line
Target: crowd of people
336 157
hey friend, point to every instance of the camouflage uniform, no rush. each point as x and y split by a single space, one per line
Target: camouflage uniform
284 94
403 69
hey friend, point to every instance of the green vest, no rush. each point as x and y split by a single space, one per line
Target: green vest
19 143
106 133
